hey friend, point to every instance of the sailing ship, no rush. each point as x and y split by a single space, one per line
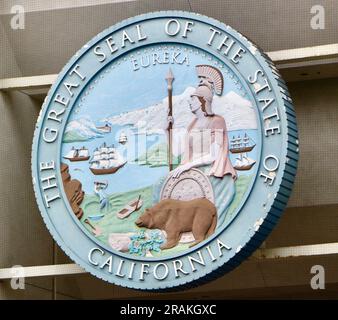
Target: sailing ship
123 138
105 129
106 160
77 154
242 146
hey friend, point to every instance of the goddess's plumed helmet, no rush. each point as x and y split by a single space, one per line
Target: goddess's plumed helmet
211 77
211 80
205 93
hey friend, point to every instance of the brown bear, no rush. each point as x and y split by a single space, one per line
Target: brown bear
198 216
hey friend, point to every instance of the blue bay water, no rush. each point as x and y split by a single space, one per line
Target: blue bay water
133 176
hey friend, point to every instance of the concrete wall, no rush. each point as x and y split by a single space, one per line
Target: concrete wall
51 37
24 240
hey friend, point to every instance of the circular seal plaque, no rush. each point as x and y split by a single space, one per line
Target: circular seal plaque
165 152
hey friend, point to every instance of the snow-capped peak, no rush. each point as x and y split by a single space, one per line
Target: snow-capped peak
236 110
84 127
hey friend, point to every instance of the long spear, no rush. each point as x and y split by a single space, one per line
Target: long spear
170 78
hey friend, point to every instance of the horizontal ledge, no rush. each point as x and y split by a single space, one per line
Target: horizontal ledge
327 51
285 59
297 251
28 83
41 271
262 253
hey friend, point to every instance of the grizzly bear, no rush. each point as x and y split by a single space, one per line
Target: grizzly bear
198 216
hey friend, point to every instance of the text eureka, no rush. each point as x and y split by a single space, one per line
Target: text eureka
217 40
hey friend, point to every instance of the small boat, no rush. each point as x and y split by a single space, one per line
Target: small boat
96 217
244 163
123 138
130 208
77 154
105 129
